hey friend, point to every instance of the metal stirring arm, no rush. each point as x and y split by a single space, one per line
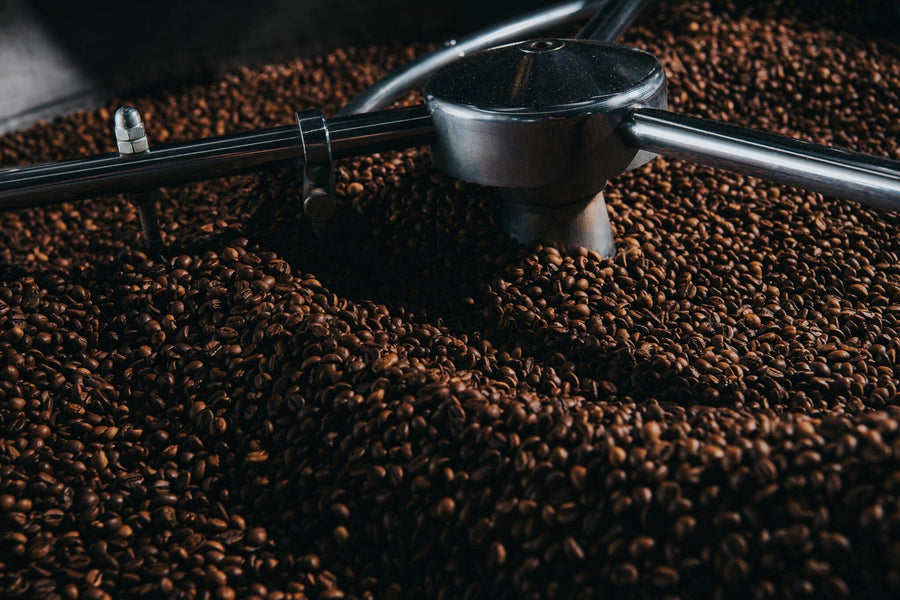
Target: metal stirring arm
63 181
551 121
870 180
867 179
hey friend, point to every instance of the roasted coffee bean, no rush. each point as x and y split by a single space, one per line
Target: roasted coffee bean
256 536
496 555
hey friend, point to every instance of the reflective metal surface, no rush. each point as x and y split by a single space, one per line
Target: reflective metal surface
540 113
380 131
867 179
129 128
584 222
416 72
540 117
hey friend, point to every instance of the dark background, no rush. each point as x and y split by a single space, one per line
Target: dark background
59 56
176 37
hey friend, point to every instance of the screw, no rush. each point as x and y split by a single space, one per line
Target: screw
131 139
318 205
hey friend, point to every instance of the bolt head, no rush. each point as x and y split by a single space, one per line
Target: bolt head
131 137
319 205
127 117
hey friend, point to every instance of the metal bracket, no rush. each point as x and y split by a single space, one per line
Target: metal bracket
318 171
131 140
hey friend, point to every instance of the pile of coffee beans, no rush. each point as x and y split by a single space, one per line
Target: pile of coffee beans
418 407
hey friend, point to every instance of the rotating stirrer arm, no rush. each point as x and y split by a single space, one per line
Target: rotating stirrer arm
867 179
175 164
585 112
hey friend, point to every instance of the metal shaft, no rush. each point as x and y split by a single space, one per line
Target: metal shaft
354 135
870 180
610 22
63 181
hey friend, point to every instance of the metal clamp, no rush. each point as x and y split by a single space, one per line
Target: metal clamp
318 171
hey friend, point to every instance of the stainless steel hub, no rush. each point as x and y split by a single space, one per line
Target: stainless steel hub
540 119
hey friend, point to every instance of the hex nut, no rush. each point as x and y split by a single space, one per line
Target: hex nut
133 147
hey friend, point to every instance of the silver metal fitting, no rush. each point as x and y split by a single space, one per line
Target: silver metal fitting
318 169
131 138
580 223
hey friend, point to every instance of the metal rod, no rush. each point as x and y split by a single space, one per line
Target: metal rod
64 181
610 23
870 180
384 92
110 173
380 131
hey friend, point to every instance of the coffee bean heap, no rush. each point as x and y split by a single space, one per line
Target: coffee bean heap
419 407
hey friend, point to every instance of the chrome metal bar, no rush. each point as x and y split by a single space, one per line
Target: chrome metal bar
384 92
380 131
50 183
610 23
870 180
68 180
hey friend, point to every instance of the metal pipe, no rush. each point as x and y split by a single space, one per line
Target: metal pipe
380 131
610 23
870 180
384 92
68 180
50 183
